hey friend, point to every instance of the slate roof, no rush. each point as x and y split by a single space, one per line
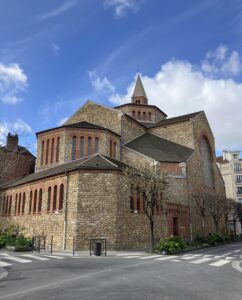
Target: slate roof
96 162
83 124
176 119
160 149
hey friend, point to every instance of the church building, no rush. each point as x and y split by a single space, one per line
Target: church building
78 188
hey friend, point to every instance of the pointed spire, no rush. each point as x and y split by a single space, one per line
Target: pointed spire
139 95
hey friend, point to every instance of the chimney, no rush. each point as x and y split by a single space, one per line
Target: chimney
12 142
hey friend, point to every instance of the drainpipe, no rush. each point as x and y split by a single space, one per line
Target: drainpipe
65 211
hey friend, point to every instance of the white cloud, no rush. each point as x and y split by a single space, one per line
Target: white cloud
55 48
62 121
180 88
121 6
59 10
221 62
19 126
12 81
101 85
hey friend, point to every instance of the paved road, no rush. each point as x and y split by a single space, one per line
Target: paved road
214 273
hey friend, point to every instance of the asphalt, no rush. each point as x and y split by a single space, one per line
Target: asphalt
128 275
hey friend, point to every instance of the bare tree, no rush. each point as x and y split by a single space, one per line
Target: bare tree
228 207
199 203
215 208
152 183
238 213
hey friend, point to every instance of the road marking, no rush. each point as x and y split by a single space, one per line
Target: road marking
229 257
226 254
132 256
201 260
218 256
4 264
147 257
166 257
188 257
236 251
35 257
236 265
4 274
207 255
54 256
17 259
176 260
220 263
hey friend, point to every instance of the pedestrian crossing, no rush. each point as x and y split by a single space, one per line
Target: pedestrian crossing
195 259
7 260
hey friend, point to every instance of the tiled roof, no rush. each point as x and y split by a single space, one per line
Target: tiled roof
176 119
160 149
83 124
96 162
141 105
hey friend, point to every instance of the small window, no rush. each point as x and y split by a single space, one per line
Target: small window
52 151
61 197
16 204
114 149
40 200
73 155
30 201
23 204
239 190
47 152
54 198
96 145
139 115
150 116
49 199
132 197
89 146
19 203
35 202
81 147
111 148
42 152
144 115
57 149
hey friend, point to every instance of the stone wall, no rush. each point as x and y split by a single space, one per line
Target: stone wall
181 133
130 129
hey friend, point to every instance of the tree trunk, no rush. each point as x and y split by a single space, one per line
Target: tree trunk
234 227
216 226
152 240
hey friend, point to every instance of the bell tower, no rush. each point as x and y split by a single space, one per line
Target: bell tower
139 95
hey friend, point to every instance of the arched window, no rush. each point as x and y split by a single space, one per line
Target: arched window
4 205
35 202
207 160
144 201
19 203
42 152
132 197
49 199
96 145
30 201
52 151
10 206
54 198
111 148
61 197
57 149
114 149
40 200
150 116
81 146
139 114
144 115
138 199
16 205
47 152
73 154
89 146
23 204
133 114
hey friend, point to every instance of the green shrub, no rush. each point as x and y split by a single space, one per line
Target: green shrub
171 244
2 241
214 238
22 241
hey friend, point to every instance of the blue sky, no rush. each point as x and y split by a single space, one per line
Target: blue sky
55 55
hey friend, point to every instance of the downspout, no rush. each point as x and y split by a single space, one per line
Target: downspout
65 211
